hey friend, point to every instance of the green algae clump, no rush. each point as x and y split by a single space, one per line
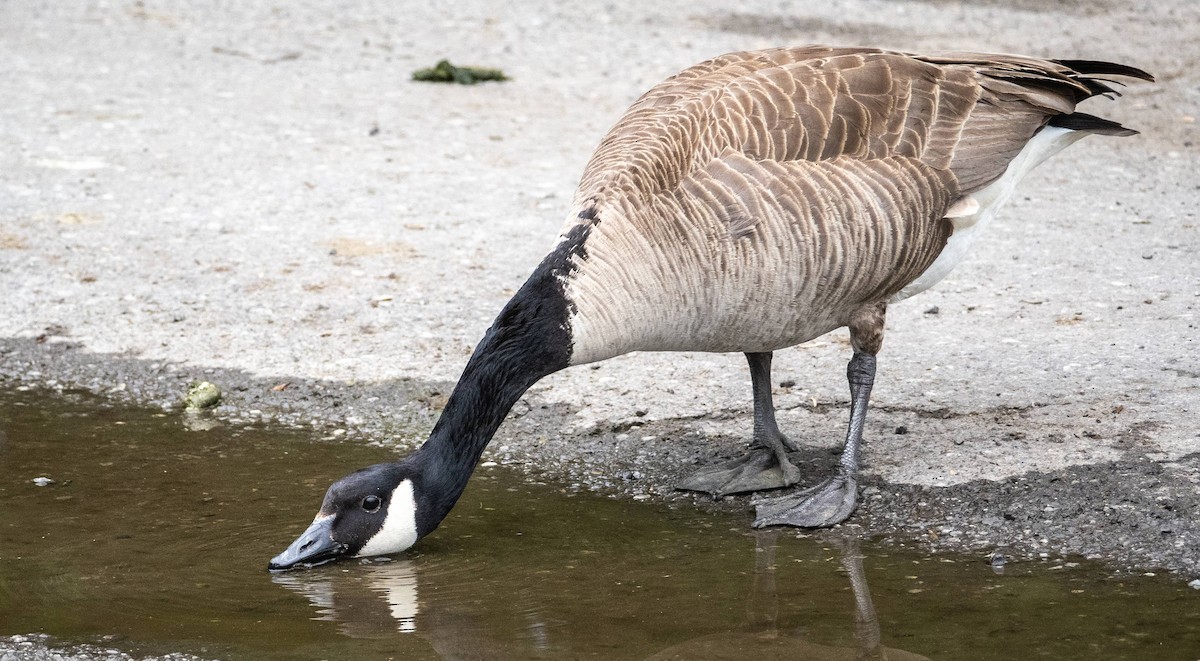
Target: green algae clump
444 72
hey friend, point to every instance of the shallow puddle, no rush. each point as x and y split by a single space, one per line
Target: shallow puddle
154 538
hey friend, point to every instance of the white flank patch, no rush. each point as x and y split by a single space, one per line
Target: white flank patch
971 214
399 529
964 207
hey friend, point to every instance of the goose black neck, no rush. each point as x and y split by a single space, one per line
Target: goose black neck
529 340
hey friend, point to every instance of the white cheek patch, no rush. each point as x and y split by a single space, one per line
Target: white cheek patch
399 529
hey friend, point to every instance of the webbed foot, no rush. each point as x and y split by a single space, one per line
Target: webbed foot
824 505
758 470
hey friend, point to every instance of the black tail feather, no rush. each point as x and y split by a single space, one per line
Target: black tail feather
1079 121
1096 67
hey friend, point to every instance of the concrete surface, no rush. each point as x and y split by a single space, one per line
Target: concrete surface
259 195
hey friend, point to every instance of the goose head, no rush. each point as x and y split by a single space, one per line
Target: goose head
386 508
372 511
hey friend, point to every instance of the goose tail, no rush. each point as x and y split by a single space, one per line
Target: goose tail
1096 76
1099 68
1081 121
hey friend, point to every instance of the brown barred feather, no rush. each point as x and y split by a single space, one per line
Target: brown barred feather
761 198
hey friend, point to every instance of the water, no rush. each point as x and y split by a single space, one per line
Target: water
157 537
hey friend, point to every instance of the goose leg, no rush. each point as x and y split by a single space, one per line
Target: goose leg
766 466
832 501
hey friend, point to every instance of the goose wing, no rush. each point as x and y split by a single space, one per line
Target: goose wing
968 113
757 200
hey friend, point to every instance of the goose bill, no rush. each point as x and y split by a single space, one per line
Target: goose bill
315 546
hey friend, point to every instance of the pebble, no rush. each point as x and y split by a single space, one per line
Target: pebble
36 647
202 395
42 481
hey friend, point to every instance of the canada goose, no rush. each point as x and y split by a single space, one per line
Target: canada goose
749 203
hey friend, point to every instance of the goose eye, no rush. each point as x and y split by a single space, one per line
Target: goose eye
371 504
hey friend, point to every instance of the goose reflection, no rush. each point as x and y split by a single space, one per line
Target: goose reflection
369 602
762 640
459 620
379 601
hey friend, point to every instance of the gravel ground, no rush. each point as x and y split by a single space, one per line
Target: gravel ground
260 196
36 647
